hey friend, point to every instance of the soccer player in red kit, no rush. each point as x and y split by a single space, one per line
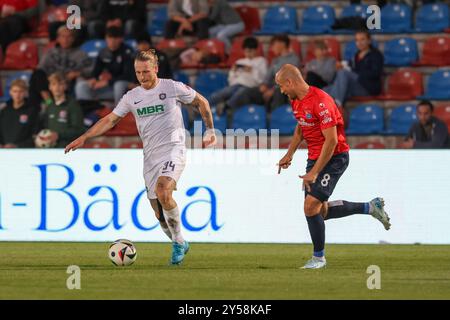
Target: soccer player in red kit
321 125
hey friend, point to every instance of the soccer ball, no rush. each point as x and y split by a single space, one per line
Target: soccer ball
122 252
44 139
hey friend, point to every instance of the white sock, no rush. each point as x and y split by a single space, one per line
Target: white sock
166 230
174 224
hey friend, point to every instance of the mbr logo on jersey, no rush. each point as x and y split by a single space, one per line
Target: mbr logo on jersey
150 110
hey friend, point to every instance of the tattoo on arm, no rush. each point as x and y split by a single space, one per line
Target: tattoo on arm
202 105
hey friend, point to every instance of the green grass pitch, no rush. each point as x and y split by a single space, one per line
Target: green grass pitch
224 271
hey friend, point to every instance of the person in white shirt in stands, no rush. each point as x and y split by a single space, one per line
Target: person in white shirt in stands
248 72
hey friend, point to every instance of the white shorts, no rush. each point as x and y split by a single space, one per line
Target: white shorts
171 165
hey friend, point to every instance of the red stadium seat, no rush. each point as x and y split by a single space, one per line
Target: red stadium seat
295 46
436 52
21 54
370 145
250 16
442 112
125 127
334 49
131 145
236 51
404 84
52 14
167 44
98 145
212 46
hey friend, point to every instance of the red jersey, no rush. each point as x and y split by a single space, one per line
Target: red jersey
314 113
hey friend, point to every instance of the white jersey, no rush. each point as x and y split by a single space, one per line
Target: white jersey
158 115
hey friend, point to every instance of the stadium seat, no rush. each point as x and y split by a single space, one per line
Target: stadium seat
354 10
366 119
158 21
432 17
283 119
443 112
250 117
279 19
294 46
438 86
250 16
436 52
132 43
186 118
220 123
370 145
209 81
21 54
93 47
97 145
401 119
396 18
400 52
166 44
125 127
213 46
236 51
181 76
52 14
132 145
403 84
317 20
351 49
24 75
334 49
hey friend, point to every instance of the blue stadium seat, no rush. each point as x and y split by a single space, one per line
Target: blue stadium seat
186 120
400 52
279 19
432 18
438 86
317 20
283 119
181 76
158 21
366 119
24 75
132 43
355 10
209 81
351 49
401 119
396 18
250 117
93 47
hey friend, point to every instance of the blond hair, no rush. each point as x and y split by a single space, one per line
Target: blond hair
147 55
22 84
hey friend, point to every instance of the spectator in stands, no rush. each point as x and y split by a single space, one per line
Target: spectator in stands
65 58
129 14
227 22
18 119
268 93
247 72
320 71
14 17
198 57
63 116
187 17
428 132
113 72
144 43
363 78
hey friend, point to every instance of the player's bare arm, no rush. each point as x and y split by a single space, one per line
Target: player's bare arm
202 104
326 153
297 138
103 125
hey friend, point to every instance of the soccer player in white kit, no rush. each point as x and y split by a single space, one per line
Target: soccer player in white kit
156 106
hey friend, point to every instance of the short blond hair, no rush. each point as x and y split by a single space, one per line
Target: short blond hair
57 77
147 55
20 83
